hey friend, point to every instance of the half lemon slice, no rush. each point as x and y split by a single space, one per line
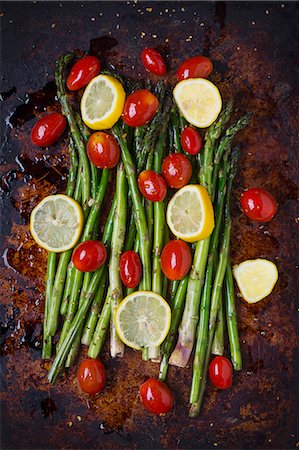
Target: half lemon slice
143 320
56 223
190 213
199 101
256 278
102 102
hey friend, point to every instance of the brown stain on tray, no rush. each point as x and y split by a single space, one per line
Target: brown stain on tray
253 53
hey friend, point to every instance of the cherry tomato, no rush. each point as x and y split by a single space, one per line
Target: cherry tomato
156 396
176 259
258 205
152 186
221 372
89 256
130 268
196 67
191 141
48 129
176 170
140 107
82 72
153 61
103 150
91 376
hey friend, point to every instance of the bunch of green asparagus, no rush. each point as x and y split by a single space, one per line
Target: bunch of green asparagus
200 301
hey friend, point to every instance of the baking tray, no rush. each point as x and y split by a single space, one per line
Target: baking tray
254 49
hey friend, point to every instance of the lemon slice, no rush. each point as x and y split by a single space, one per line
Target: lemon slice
256 278
190 213
56 223
199 101
143 320
102 102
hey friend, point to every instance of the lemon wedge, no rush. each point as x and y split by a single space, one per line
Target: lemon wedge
143 320
56 223
102 102
190 213
199 101
256 278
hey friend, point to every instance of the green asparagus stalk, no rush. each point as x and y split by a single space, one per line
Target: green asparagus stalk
176 130
202 331
60 276
231 319
199 385
176 315
92 319
99 335
66 108
218 341
87 234
84 305
51 269
187 330
138 209
118 237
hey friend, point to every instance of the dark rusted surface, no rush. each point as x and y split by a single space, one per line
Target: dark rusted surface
254 49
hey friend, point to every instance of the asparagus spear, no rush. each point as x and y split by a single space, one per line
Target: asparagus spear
176 315
176 130
84 307
77 276
99 335
118 237
183 349
218 341
198 391
51 269
231 318
203 327
138 209
60 276
66 108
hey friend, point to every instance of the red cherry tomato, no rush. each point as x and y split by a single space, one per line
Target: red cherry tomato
176 259
103 150
221 372
258 205
140 107
48 129
196 67
152 186
153 61
82 72
176 170
130 268
91 376
156 396
89 256
191 141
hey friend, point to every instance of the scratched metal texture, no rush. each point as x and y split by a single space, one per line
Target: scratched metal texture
254 49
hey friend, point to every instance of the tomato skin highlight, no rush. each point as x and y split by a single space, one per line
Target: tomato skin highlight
196 67
176 170
221 372
156 396
91 376
152 186
258 204
103 150
48 129
82 72
176 259
140 107
130 269
191 141
153 61
89 256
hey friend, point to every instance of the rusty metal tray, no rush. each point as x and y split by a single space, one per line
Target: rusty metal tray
254 49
